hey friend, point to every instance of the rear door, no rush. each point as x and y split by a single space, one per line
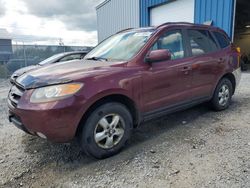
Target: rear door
206 58
168 83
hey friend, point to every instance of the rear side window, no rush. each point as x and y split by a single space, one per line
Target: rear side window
222 40
201 42
212 42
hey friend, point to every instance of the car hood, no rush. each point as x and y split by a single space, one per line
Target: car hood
22 71
65 72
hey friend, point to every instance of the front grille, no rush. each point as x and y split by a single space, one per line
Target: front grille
15 94
17 122
13 78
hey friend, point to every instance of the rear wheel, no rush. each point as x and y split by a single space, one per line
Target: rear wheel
106 130
222 95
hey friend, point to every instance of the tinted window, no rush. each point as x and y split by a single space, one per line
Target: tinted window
171 41
71 57
223 42
201 42
212 42
51 59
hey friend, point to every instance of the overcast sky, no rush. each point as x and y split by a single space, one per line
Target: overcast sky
46 21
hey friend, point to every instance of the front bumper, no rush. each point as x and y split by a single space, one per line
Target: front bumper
237 75
58 121
17 122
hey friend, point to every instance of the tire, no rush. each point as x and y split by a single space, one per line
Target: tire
243 66
96 135
222 95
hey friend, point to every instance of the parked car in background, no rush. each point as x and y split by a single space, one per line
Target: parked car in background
132 77
57 58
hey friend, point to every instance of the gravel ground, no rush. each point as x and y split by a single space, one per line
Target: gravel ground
193 148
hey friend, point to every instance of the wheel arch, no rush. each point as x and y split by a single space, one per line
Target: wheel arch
120 98
231 77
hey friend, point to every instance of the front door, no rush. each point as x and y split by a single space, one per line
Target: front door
168 83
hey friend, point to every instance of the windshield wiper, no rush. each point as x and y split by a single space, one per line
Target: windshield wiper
97 58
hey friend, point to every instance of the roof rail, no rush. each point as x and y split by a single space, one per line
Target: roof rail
167 23
124 30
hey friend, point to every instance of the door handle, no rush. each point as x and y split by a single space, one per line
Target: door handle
187 68
221 60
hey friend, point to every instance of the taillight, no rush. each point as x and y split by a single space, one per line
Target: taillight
238 49
238 65
236 55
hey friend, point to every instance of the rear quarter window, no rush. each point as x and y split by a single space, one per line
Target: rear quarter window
222 40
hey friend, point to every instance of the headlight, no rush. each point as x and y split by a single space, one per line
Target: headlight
56 92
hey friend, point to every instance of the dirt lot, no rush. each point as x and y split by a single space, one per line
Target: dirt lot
193 148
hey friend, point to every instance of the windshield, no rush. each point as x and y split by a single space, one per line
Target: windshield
120 47
50 59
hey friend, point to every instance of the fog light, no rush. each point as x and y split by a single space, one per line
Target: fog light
41 135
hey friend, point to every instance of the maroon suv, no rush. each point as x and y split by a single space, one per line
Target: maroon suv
133 76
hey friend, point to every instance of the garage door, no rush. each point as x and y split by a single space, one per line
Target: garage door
175 11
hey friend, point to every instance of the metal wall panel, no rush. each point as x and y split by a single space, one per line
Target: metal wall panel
145 6
115 15
170 12
5 49
221 12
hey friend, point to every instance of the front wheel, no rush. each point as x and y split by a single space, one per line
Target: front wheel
106 130
222 95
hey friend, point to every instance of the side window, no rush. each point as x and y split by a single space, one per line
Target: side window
212 42
173 42
70 57
201 42
222 40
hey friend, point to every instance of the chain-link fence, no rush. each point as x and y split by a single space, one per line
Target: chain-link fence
18 56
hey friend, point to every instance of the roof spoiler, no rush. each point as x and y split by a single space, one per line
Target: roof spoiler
209 23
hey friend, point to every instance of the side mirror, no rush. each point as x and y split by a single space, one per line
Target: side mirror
158 55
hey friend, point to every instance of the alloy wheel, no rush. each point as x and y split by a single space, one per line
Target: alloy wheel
224 95
109 131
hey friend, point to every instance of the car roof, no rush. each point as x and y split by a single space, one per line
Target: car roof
187 24
74 52
170 24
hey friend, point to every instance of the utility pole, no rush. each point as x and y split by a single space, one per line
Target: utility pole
61 43
24 55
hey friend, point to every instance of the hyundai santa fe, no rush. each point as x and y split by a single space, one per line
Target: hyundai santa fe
131 77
